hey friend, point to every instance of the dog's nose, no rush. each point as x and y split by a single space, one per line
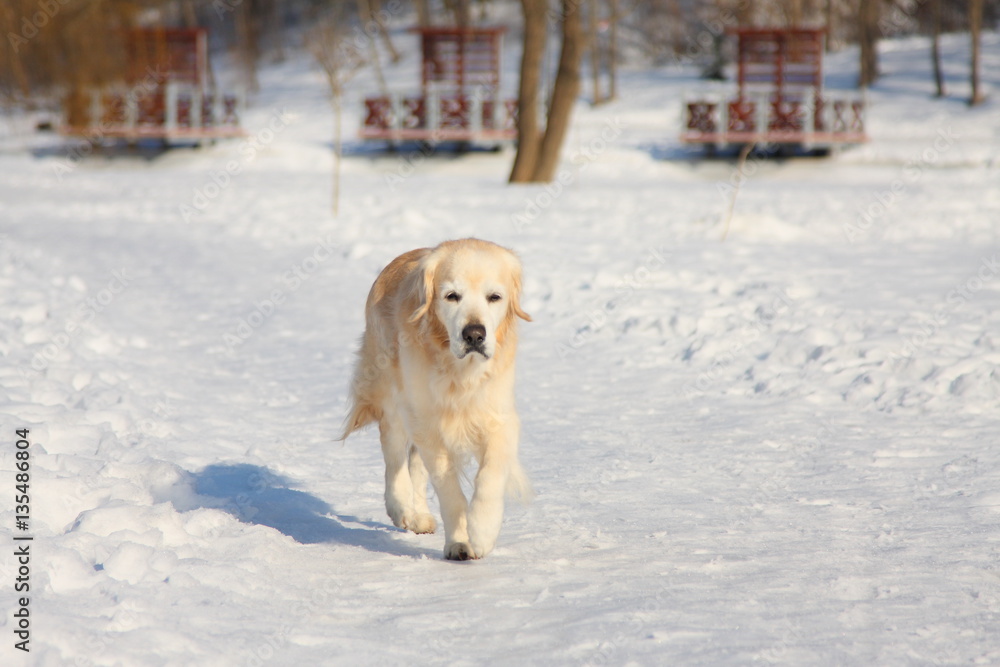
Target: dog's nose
474 334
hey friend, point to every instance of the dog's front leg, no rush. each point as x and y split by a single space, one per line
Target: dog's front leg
486 508
454 506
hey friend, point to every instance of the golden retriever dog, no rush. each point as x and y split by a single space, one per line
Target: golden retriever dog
436 372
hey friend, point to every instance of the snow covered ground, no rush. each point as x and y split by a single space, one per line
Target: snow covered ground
775 443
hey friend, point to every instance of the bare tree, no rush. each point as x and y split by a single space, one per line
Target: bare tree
794 13
602 55
371 11
338 56
975 30
538 155
365 14
594 46
423 12
936 47
613 51
529 136
829 17
564 94
248 42
460 11
868 13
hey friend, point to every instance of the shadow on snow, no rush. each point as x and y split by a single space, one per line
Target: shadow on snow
257 496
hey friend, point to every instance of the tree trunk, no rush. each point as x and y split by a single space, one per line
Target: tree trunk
337 148
868 37
16 61
831 29
936 47
529 137
564 94
423 13
595 50
460 10
272 18
613 51
376 15
247 37
365 10
188 14
329 44
975 30
795 13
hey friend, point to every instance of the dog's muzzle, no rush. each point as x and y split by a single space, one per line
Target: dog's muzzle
474 336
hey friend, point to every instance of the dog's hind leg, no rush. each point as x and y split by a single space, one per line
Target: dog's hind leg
398 485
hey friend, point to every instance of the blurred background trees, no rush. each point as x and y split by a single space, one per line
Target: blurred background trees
49 46
571 47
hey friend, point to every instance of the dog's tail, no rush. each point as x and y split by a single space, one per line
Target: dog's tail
361 415
362 411
518 485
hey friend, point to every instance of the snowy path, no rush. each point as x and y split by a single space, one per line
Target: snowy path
781 447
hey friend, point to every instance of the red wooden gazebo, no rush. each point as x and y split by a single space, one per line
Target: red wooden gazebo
459 97
779 99
165 92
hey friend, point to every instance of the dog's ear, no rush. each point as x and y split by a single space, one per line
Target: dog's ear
424 285
515 292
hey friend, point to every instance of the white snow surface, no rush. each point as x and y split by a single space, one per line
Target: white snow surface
775 443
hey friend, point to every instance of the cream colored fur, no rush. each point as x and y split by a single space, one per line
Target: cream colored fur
442 389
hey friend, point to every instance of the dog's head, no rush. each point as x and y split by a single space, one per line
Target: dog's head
473 289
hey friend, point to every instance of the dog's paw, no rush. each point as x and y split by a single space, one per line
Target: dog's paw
479 549
459 551
412 521
421 523
399 516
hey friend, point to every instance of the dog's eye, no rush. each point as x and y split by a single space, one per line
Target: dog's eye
494 298
453 296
